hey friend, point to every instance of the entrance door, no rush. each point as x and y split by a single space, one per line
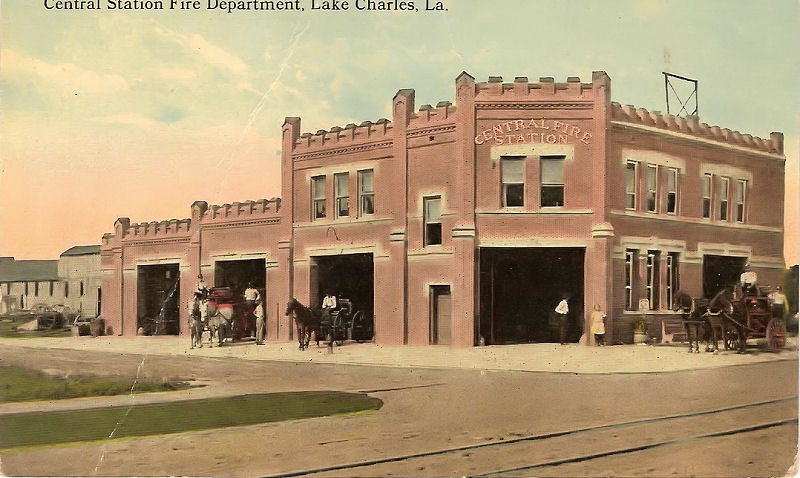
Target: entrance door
441 316
719 272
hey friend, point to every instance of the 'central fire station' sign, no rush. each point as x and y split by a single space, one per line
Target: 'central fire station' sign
544 131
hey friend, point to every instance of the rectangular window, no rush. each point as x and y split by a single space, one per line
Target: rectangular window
36 289
672 284
724 185
741 187
82 289
342 190
630 278
66 289
652 188
652 278
366 195
630 185
26 288
707 196
433 220
513 170
552 181
672 191
8 287
52 286
318 197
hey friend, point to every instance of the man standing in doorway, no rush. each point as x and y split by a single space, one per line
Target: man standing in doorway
261 322
562 309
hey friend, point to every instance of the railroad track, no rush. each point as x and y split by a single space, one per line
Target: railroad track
527 454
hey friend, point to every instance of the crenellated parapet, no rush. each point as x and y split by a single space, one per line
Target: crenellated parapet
546 89
158 229
429 116
691 125
242 211
338 137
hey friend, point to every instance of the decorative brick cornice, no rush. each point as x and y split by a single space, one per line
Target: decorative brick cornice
351 149
533 106
445 128
251 222
176 240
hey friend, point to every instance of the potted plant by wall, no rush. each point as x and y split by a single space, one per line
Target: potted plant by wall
640 330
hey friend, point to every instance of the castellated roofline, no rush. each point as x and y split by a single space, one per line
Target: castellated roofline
691 125
202 213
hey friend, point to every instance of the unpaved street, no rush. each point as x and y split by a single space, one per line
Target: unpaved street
448 422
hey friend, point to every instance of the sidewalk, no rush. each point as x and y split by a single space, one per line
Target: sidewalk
554 358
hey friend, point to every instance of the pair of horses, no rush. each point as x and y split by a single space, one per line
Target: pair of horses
703 318
217 318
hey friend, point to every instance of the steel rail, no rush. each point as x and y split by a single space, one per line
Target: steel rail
498 443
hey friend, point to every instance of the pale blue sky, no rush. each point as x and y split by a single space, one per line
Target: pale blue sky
140 113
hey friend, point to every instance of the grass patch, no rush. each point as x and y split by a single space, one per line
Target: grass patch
32 429
17 385
8 329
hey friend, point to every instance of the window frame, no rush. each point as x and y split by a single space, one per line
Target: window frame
339 197
741 212
631 258
673 173
66 289
52 287
429 224
708 180
504 160
672 278
36 289
652 193
363 194
315 212
631 166
724 198
542 185
653 271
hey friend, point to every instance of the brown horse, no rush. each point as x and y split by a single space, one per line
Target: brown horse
307 321
699 322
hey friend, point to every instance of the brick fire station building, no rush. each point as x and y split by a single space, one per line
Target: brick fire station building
466 223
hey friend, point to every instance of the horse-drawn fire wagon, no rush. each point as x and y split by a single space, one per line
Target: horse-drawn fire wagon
346 324
242 322
750 316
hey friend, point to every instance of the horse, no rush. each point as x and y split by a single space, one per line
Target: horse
698 322
723 306
196 324
218 319
307 321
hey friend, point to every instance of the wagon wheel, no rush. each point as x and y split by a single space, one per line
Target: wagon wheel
732 337
776 334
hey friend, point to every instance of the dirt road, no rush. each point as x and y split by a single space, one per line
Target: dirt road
731 421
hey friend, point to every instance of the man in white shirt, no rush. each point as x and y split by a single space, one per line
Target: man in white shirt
261 323
562 309
328 304
778 301
252 296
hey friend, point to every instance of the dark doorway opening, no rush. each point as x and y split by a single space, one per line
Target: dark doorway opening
441 315
347 276
720 272
520 288
236 275
157 299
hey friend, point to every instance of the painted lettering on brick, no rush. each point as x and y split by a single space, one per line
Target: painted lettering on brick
548 131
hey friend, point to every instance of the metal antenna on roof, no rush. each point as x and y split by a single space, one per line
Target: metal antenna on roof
669 79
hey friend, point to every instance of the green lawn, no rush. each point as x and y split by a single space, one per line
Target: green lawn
32 429
18 385
8 329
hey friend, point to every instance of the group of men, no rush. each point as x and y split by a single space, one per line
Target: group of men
252 298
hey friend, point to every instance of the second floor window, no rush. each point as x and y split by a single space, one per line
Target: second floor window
741 187
433 221
652 188
707 196
36 289
342 187
318 197
51 288
513 170
366 193
630 185
552 181
672 191
724 185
